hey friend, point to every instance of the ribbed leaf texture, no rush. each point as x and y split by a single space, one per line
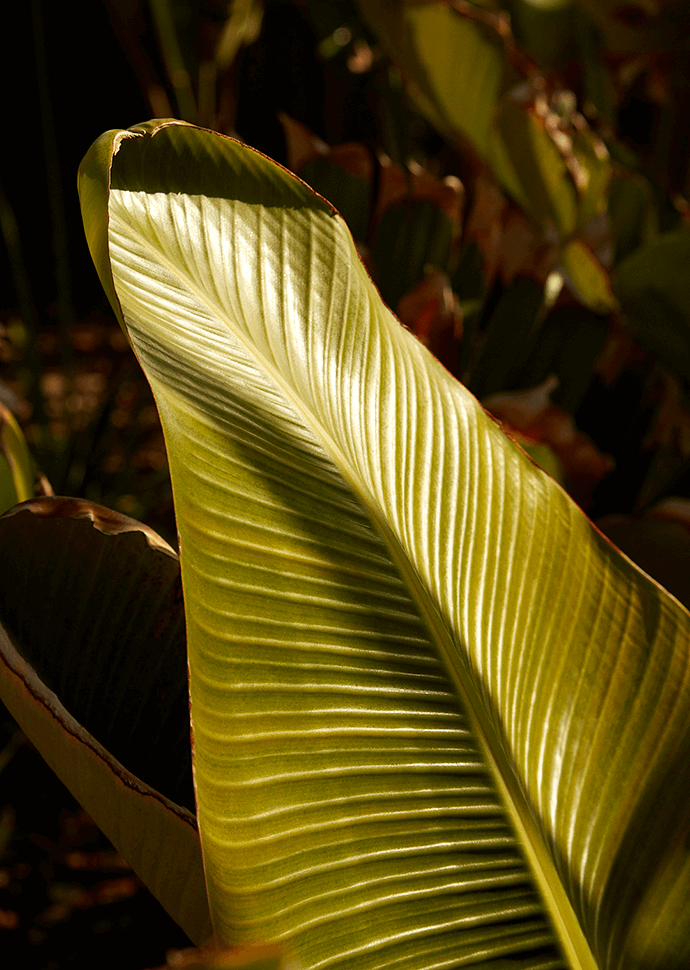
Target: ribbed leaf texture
432 706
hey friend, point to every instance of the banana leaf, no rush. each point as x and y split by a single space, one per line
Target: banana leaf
438 719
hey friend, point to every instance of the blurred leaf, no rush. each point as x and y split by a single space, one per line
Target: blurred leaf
588 279
484 227
522 251
594 165
173 21
633 212
544 29
469 286
433 314
581 465
410 235
531 167
463 63
598 92
659 543
242 27
8 493
348 192
17 467
507 340
567 346
411 182
455 62
93 667
635 26
653 286
468 280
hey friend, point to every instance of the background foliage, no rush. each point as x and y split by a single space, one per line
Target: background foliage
521 205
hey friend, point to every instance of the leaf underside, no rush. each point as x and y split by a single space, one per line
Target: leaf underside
93 667
432 707
100 619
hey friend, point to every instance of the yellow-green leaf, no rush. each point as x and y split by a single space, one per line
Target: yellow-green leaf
587 277
455 63
17 467
438 719
546 189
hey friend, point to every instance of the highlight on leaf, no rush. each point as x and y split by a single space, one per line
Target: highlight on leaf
401 756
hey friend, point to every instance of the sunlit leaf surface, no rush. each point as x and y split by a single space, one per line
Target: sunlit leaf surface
433 709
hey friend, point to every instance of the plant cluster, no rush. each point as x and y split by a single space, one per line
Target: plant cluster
438 720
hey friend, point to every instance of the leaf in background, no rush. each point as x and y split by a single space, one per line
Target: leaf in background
344 174
632 211
659 543
454 56
508 333
635 27
410 236
594 171
432 312
598 90
536 165
414 663
398 183
464 65
544 29
17 467
653 286
455 62
174 25
242 27
484 229
569 342
535 423
93 667
587 278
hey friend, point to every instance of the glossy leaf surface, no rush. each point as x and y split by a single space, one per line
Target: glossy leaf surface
431 704
93 667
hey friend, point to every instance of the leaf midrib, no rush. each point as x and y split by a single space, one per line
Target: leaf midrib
500 766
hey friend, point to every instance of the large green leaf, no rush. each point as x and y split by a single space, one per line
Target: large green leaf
93 667
435 713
